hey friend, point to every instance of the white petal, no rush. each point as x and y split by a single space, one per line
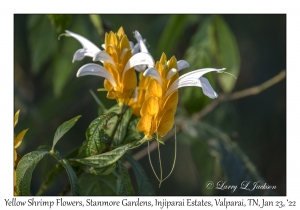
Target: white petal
89 49
79 55
96 70
207 88
198 73
86 44
171 73
191 79
135 49
182 64
141 42
104 57
139 59
140 68
152 72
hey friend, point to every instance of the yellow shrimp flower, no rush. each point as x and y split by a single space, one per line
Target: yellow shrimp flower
158 110
118 62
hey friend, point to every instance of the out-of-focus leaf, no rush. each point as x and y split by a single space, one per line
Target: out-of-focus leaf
72 177
227 53
107 158
172 33
132 133
25 168
199 56
235 164
144 185
97 22
97 185
62 67
60 22
96 135
213 45
50 178
124 186
207 165
64 128
101 107
40 29
122 127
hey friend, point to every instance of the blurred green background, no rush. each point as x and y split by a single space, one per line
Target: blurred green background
252 47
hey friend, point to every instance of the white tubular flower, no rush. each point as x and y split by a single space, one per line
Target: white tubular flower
194 78
89 49
139 59
96 70
140 46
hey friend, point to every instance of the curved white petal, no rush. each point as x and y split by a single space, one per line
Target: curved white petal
89 49
135 49
152 72
182 64
141 42
193 78
207 88
171 73
104 57
139 59
199 73
96 70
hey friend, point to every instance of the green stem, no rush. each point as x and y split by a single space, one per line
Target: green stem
55 155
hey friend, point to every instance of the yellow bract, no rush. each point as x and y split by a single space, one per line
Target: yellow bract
118 47
157 111
17 141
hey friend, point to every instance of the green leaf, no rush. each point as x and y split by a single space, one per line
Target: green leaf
60 22
227 53
96 135
124 186
173 31
101 107
213 45
55 171
234 162
97 22
72 177
207 163
132 134
92 185
199 56
144 185
122 128
64 128
108 158
25 168
101 171
50 178
40 29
